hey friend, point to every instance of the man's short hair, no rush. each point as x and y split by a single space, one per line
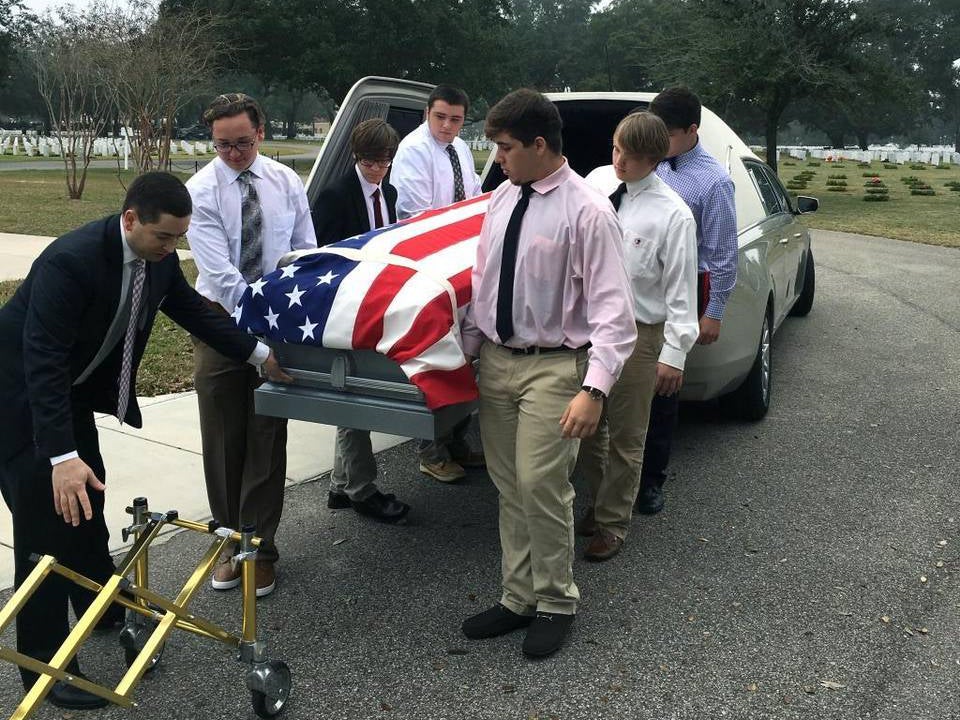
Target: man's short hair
374 139
156 193
233 104
526 115
678 107
450 95
643 134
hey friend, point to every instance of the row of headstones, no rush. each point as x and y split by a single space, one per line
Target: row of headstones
102 147
926 156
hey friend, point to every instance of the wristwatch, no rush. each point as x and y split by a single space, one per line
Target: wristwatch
595 393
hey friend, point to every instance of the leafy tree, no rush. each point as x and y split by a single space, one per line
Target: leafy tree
762 53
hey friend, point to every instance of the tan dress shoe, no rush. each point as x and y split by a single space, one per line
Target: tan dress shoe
603 546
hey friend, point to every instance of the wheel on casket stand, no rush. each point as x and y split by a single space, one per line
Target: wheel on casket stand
269 685
133 638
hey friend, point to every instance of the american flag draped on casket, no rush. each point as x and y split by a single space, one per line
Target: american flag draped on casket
399 290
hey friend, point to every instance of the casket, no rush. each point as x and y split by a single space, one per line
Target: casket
369 328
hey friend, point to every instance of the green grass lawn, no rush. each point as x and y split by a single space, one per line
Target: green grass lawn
35 202
926 219
167 364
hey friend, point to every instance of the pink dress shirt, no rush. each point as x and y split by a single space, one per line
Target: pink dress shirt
570 286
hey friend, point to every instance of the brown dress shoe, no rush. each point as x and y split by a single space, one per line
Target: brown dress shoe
265 577
586 526
603 546
226 575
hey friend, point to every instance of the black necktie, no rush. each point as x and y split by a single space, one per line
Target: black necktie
617 195
458 192
508 265
377 210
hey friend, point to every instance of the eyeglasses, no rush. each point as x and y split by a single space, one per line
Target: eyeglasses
242 146
370 164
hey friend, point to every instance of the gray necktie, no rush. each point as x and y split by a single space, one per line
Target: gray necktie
251 216
126 364
458 193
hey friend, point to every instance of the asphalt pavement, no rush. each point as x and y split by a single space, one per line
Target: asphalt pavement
806 566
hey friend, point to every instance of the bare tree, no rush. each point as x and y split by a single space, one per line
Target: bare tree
70 52
163 62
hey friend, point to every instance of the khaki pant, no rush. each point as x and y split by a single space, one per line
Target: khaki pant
521 401
610 460
244 454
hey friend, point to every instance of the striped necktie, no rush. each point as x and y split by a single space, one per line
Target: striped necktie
126 363
251 227
458 192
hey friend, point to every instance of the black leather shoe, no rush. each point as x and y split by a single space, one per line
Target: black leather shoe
546 634
494 622
72 698
382 508
337 501
650 500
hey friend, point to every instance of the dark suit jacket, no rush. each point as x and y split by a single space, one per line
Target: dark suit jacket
341 210
55 323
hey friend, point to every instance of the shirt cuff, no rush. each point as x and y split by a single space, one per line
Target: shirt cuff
63 458
715 308
672 356
259 355
471 344
599 378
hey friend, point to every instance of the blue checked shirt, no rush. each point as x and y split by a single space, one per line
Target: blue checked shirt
707 188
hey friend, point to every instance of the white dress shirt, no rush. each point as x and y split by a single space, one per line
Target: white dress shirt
423 175
368 189
214 233
660 250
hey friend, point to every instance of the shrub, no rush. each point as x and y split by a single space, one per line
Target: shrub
876 191
787 162
890 166
876 198
942 166
869 174
909 179
837 177
837 188
953 185
923 191
877 184
863 165
918 166
813 163
837 183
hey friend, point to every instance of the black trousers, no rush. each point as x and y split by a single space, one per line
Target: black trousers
664 412
25 479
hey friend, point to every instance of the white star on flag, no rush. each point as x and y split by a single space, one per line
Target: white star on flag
257 287
326 279
271 318
237 312
307 328
288 271
294 296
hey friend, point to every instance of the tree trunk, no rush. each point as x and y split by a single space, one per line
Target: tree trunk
863 139
770 132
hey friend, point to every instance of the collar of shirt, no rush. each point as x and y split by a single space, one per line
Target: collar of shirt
365 185
636 187
128 254
256 168
553 180
686 158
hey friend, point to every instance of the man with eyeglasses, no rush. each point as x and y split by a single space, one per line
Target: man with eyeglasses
248 211
360 201
434 168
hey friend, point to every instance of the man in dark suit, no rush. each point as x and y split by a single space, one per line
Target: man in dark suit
349 206
362 200
71 339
